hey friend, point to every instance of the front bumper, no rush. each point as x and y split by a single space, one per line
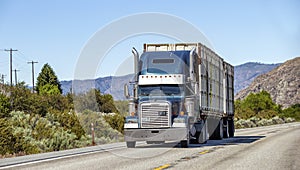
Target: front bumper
169 134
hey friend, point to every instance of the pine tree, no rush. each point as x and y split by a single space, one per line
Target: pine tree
47 81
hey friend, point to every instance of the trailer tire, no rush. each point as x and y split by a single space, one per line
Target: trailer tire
225 128
231 128
130 144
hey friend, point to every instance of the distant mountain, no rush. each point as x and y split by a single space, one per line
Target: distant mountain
113 85
246 73
283 84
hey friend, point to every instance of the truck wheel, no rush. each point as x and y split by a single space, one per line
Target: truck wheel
231 128
130 144
225 128
184 143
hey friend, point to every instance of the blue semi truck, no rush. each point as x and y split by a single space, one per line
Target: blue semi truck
181 92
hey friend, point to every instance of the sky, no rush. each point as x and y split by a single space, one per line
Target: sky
57 31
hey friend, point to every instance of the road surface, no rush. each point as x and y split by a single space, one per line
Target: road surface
272 147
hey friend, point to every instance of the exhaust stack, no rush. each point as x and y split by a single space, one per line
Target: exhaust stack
136 71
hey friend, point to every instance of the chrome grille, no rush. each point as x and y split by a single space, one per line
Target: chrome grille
155 115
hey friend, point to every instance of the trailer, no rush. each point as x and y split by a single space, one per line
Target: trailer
181 92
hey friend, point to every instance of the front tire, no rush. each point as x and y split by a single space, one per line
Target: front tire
184 143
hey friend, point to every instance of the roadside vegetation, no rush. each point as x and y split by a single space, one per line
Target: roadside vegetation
46 121
259 110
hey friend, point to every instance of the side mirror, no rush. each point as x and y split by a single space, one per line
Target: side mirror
126 91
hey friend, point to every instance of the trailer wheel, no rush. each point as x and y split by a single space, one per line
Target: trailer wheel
225 128
231 128
130 144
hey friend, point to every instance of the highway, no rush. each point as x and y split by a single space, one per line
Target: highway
270 147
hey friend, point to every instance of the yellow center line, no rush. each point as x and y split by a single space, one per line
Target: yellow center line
162 167
204 152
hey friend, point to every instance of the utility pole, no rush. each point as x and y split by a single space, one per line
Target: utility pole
32 68
2 78
10 54
16 79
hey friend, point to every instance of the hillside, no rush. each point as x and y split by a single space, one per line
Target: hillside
246 73
113 85
283 84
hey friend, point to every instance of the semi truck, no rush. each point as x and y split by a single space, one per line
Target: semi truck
180 92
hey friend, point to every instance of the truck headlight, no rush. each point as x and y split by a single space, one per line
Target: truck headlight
131 122
180 121
131 119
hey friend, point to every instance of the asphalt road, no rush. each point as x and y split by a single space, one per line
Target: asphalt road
273 147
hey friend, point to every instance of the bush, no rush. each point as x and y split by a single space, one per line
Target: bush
267 114
292 112
6 137
4 106
262 122
277 120
104 132
116 121
254 119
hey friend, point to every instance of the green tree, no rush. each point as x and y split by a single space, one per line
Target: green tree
48 78
256 104
259 101
49 89
116 121
107 104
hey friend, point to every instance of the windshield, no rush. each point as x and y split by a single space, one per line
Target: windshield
164 62
160 90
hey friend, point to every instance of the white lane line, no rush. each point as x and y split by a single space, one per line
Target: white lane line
12 165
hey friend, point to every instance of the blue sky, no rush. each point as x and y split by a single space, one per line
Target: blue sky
55 31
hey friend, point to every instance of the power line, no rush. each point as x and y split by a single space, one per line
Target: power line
10 55
32 68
